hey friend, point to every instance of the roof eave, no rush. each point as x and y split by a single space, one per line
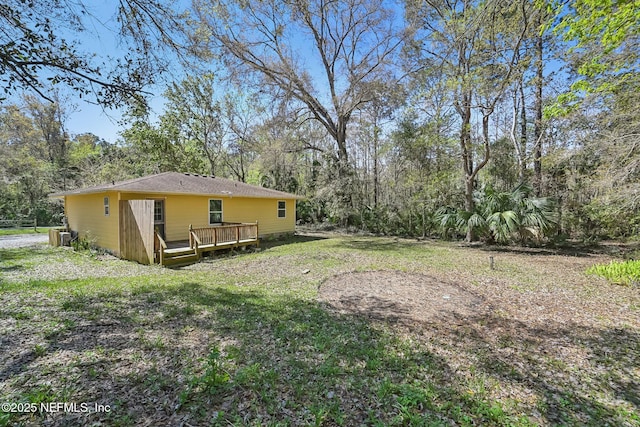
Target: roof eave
175 193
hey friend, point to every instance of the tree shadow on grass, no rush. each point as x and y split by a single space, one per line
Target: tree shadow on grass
287 360
572 249
378 244
16 254
336 369
581 375
288 240
293 361
578 375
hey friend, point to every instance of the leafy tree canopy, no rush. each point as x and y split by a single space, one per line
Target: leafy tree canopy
604 35
41 47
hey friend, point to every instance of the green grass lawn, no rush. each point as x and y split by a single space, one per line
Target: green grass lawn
25 230
245 340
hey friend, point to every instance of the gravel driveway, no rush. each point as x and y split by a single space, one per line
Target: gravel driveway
22 240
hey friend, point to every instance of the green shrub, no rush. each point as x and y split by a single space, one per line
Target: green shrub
620 272
502 217
82 244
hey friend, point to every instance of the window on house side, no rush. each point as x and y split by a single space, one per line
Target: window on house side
282 209
215 211
158 207
106 206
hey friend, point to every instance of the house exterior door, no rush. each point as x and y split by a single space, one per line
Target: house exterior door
158 217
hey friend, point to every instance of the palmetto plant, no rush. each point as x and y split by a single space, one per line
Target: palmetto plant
503 216
538 215
453 221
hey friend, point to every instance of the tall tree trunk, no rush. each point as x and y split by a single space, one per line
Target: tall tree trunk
519 145
345 193
467 157
242 175
469 204
523 136
465 134
341 138
376 135
537 133
210 157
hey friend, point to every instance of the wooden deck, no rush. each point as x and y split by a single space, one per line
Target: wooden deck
203 240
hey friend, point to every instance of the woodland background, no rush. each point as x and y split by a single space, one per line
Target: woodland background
495 120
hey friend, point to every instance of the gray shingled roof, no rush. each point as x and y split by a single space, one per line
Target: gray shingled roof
184 183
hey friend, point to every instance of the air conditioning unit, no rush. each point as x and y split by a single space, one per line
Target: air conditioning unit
65 238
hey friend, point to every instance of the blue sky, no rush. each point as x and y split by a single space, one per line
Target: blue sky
101 38
90 118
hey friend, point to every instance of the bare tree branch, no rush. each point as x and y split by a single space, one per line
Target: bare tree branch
352 42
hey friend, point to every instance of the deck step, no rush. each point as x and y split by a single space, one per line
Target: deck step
179 260
179 251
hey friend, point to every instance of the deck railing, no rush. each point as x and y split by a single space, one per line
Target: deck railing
174 256
203 240
223 235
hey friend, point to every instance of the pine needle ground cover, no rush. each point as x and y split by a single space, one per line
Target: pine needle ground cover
319 330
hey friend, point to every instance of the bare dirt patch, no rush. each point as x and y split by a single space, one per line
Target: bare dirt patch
556 345
401 297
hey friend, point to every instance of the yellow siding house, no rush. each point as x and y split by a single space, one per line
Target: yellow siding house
175 202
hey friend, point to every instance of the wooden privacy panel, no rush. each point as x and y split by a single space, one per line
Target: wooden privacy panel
136 230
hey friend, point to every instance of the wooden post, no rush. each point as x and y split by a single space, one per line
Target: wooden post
195 246
257 234
190 236
237 234
54 237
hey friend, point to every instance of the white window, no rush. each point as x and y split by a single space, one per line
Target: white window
282 209
106 206
158 211
215 211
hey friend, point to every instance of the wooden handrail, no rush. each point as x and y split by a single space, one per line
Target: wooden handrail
194 240
162 246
